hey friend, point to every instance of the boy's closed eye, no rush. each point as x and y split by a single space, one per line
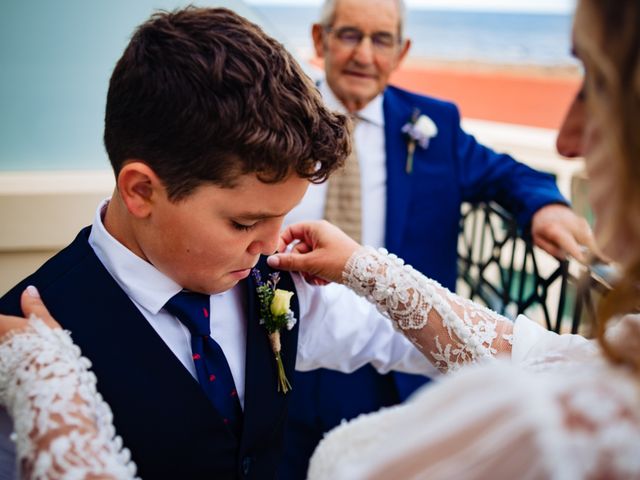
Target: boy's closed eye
243 227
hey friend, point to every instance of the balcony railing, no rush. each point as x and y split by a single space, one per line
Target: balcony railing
499 266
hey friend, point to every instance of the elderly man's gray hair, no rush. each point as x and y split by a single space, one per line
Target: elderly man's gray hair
328 11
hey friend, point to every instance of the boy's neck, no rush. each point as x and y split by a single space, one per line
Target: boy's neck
117 221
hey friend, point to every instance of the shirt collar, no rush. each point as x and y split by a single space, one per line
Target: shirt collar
371 113
141 281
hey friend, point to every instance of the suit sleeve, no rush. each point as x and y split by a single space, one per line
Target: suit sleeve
485 175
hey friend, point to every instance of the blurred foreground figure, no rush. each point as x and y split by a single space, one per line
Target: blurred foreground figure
413 166
554 406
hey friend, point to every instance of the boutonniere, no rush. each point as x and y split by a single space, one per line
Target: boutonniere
275 314
419 129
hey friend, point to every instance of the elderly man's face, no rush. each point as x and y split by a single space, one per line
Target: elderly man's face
361 49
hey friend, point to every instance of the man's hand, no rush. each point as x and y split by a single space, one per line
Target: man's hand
560 232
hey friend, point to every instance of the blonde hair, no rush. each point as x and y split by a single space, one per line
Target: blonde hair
607 36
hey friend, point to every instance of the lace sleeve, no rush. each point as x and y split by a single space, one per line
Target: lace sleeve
449 330
63 428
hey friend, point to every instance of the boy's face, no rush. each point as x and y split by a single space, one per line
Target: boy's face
209 241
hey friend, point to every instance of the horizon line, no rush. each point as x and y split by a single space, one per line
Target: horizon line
530 8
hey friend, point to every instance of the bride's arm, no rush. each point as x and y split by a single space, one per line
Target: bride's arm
62 427
449 330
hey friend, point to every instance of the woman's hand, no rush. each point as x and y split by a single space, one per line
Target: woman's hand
31 304
321 251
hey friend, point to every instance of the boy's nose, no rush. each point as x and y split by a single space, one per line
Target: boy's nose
267 243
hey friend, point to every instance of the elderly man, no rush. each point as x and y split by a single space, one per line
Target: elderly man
411 192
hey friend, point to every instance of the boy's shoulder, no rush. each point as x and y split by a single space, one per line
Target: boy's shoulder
56 271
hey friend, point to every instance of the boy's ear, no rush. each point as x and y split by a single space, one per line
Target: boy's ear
139 187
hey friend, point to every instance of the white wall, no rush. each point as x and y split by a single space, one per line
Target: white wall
41 212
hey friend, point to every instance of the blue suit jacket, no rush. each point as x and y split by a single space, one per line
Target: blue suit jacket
423 213
423 208
159 410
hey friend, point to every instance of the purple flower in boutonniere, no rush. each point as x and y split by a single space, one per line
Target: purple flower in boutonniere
275 314
419 129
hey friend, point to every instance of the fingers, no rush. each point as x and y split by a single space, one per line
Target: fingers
32 305
315 269
578 241
297 231
295 262
293 234
568 242
550 248
317 249
560 232
560 242
302 247
314 280
586 237
9 323
282 245
285 261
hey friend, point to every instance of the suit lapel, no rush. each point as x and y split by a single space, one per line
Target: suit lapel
399 185
264 406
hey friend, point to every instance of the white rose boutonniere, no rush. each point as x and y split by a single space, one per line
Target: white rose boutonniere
281 301
419 129
275 314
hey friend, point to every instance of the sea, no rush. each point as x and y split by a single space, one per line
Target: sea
54 75
456 35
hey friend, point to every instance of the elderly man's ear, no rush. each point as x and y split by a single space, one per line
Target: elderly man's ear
317 34
406 45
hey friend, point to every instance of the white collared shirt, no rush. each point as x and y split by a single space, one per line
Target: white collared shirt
338 330
370 148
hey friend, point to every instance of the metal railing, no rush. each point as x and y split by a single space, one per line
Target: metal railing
499 266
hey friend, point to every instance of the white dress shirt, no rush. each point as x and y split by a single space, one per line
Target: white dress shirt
370 148
338 330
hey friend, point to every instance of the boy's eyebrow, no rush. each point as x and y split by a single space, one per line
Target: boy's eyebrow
258 215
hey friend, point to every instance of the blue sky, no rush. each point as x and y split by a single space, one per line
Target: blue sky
546 6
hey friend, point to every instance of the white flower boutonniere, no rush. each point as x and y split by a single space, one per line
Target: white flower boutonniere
419 129
275 314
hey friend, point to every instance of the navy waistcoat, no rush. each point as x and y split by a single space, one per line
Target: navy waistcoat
159 410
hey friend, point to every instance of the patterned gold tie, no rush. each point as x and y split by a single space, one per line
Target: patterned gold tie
344 202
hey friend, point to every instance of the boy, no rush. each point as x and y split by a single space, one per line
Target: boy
214 134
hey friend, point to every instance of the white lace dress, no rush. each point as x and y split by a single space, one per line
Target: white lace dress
553 407
62 427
